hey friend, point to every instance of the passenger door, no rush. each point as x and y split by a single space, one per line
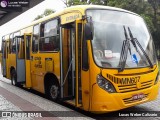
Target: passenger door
20 59
68 62
34 60
78 51
27 39
71 62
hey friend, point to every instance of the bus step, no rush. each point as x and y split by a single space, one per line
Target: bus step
67 98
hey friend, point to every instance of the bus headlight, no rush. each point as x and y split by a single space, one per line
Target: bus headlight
157 78
105 84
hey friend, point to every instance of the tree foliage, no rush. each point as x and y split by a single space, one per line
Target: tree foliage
45 13
149 10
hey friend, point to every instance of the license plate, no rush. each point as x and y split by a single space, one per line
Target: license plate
138 96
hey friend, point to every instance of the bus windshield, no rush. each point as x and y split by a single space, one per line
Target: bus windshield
109 37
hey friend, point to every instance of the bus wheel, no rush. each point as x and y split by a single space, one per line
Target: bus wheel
13 78
53 91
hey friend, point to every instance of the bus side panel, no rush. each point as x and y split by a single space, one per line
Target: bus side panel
34 73
40 66
85 89
11 63
28 75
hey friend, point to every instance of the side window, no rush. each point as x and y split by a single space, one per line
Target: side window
35 38
49 40
28 38
21 48
10 43
4 47
13 42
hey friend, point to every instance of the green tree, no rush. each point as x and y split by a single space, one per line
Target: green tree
140 7
45 13
38 17
69 3
147 9
155 4
48 12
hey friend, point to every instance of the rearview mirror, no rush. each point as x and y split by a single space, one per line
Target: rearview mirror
88 31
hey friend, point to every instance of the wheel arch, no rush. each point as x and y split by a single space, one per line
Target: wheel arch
48 79
12 68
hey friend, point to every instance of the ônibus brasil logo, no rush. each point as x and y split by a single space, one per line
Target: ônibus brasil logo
3 3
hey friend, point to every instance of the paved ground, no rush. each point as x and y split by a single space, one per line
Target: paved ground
16 99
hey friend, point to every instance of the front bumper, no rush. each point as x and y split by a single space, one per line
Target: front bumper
103 102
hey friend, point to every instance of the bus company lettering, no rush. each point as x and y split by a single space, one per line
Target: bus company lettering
124 81
37 58
73 17
38 62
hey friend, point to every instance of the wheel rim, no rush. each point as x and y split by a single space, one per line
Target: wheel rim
54 91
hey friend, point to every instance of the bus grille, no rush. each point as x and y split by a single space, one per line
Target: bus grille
130 100
133 87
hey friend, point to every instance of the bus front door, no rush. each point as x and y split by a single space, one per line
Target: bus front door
27 39
71 63
20 59
68 62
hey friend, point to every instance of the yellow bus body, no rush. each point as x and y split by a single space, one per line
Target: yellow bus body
94 98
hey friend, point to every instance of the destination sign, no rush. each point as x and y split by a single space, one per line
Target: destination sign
70 17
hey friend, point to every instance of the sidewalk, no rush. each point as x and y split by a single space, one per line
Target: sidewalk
15 99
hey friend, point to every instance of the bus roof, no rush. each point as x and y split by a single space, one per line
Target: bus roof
80 8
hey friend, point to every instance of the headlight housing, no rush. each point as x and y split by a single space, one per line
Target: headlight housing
105 84
157 78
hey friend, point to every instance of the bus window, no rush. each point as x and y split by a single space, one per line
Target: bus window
49 40
35 38
4 48
20 47
10 43
13 45
28 38
13 42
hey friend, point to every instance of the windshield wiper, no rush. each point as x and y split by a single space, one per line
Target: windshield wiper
134 41
124 52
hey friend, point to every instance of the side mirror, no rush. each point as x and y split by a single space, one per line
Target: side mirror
88 31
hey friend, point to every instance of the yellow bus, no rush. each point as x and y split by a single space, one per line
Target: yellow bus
96 58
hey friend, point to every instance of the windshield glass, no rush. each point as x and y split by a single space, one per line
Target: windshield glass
109 36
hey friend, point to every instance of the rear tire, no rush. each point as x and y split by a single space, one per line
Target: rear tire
53 91
13 78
